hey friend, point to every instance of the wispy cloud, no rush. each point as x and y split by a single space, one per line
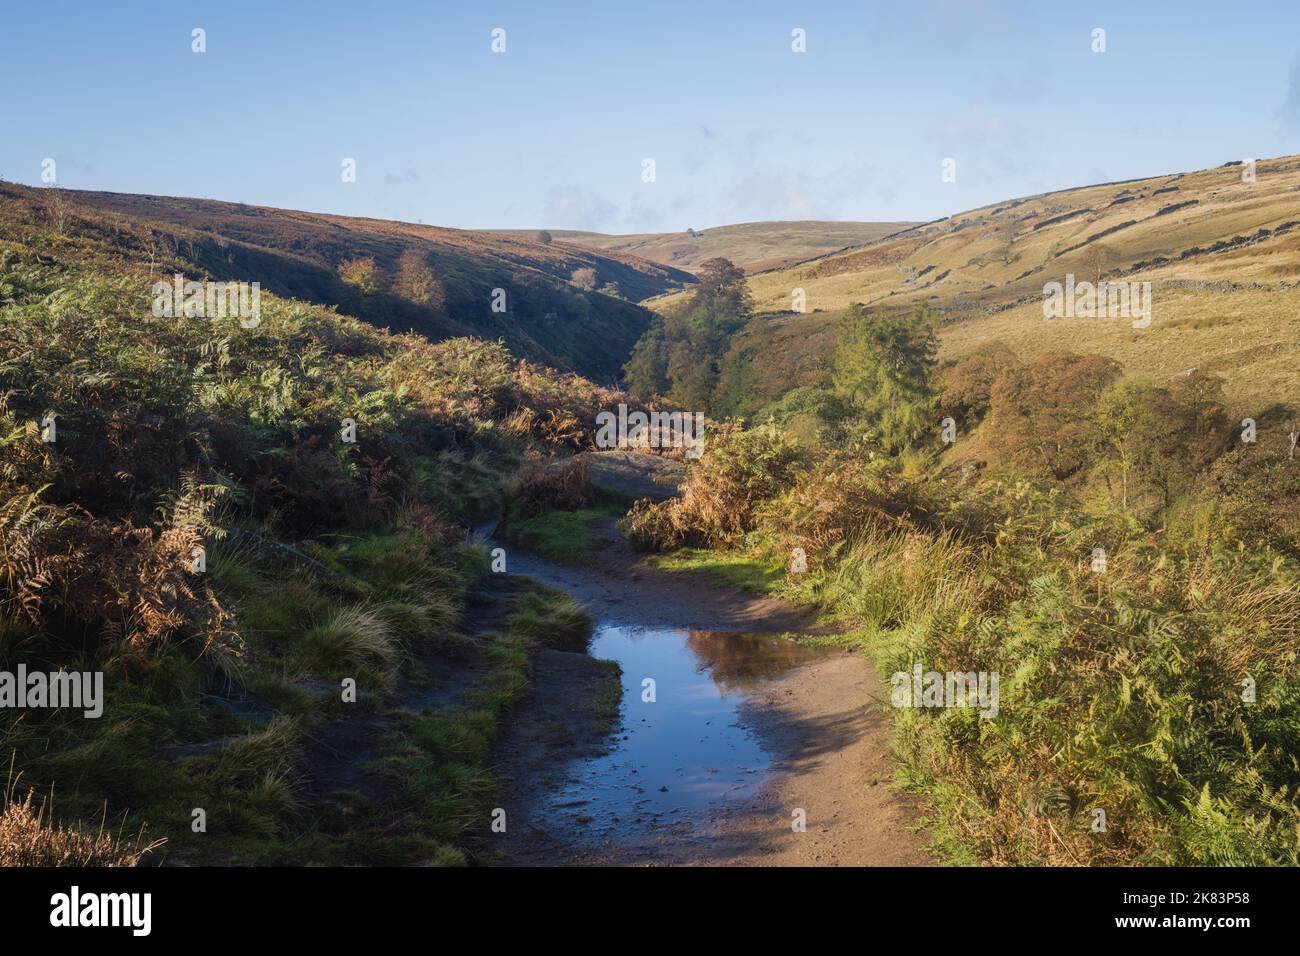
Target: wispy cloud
573 207
1291 105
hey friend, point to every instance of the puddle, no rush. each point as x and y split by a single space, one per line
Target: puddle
686 750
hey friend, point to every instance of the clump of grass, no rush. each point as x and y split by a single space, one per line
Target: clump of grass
262 753
551 619
564 485
886 580
353 639
609 699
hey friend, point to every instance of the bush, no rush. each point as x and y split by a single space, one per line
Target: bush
722 490
562 484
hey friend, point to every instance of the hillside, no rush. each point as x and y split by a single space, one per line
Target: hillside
299 255
754 246
253 536
1223 257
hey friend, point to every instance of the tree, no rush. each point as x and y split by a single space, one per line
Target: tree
417 283
362 274
883 372
1042 412
584 279
680 356
966 385
1098 262
1158 439
722 288
646 371
545 237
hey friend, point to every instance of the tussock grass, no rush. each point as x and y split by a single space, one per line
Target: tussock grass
552 620
351 640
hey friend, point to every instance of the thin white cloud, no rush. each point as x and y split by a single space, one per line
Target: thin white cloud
1291 105
573 207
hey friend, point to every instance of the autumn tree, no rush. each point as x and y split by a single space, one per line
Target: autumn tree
362 274
966 385
1041 413
417 283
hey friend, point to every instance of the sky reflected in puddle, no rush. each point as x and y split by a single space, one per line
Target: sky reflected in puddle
686 749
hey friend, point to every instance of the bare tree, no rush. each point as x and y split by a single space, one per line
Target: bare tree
1099 260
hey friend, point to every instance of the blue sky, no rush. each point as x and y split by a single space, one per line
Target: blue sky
553 132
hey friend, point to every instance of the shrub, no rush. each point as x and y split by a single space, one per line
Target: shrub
722 490
361 273
584 279
562 484
417 283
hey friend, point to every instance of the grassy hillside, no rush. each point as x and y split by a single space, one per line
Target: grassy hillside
257 537
303 255
754 246
1223 257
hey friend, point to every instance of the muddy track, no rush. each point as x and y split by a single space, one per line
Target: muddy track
823 723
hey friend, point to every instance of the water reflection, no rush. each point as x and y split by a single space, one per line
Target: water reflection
682 747
740 662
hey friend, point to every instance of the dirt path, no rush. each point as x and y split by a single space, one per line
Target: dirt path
822 722
832 762
625 588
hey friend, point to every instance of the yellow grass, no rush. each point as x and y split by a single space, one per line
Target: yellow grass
1235 311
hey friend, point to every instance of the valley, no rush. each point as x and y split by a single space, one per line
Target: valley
658 655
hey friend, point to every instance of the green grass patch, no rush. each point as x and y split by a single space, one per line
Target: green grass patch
609 699
562 536
736 570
